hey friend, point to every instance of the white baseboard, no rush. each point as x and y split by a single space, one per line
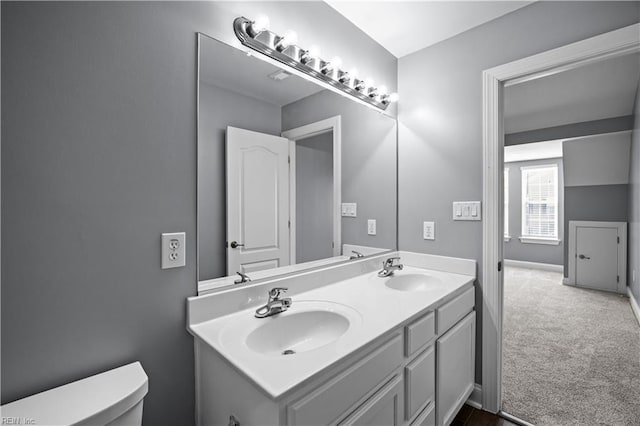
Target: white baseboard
475 399
634 304
534 265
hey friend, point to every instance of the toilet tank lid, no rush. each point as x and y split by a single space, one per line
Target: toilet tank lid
97 399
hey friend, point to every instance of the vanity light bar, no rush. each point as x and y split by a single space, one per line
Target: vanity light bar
256 35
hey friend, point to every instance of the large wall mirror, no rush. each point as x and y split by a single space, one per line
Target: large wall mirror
289 173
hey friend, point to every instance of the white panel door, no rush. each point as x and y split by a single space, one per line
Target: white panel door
257 201
597 257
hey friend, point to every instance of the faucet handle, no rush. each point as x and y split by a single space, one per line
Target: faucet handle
275 292
356 255
243 278
389 261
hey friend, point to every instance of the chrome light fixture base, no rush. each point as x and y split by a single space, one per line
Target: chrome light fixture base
296 57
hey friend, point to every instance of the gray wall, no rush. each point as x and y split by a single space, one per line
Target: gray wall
596 170
368 163
220 108
314 198
516 250
634 204
440 113
598 202
597 160
98 159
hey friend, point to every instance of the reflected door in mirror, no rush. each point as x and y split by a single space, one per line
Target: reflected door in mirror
257 201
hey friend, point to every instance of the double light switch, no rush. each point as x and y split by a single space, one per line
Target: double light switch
349 209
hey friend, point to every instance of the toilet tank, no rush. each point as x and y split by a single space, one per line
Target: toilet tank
111 398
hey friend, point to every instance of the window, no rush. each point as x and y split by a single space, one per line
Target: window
540 202
506 202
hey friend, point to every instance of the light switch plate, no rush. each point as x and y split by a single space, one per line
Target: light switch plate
429 230
467 210
173 250
371 227
349 209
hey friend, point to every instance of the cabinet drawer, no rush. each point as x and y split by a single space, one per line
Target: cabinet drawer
383 408
419 333
453 311
326 403
427 417
420 382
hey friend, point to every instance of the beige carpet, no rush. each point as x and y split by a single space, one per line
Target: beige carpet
571 356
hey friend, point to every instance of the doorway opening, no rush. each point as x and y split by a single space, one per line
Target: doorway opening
558 362
610 45
315 190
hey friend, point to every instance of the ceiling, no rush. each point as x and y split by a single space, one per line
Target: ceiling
230 68
404 27
597 91
533 151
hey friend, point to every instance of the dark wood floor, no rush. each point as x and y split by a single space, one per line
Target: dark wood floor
469 416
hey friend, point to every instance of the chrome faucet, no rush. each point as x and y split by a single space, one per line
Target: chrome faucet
356 255
244 278
275 304
389 267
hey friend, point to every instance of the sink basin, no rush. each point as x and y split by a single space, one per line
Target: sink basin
412 282
306 326
297 332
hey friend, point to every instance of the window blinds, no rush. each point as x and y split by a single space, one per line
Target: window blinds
540 201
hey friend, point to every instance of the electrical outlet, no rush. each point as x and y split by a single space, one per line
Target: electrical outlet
429 230
173 250
371 227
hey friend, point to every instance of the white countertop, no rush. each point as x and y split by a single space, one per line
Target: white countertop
379 310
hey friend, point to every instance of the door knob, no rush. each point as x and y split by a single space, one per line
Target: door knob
582 256
235 244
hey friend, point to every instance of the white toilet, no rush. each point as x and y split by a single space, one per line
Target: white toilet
111 398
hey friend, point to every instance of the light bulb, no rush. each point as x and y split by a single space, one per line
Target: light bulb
353 73
368 82
393 97
314 51
290 37
382 90
336 62
260 24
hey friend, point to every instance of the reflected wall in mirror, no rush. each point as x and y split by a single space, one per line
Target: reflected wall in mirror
277 157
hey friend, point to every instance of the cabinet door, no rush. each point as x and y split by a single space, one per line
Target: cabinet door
427 417
455 368
420 379
384 408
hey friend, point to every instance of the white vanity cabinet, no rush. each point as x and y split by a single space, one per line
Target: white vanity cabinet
418 374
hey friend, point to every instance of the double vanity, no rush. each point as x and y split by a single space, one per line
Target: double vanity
344 345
